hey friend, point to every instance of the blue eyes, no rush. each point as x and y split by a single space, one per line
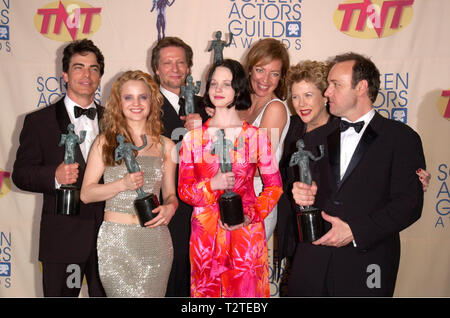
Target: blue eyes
129 97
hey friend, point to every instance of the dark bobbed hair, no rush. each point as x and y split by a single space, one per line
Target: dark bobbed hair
82 47
239 83
363 69
170 41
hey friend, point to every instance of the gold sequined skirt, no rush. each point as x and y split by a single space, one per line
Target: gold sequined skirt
134 261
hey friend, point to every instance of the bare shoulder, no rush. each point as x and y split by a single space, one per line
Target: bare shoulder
168 143
275 108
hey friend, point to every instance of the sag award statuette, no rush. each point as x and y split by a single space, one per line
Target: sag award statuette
218 45
188 93
144 202
230 203
68 195
309 220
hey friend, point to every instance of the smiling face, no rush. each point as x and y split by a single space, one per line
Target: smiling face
82 78
221 92
135 100
172 68
309 104
264 79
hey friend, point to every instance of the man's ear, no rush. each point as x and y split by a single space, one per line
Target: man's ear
362 87
65 77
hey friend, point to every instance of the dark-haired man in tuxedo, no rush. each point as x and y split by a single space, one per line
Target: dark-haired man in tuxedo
171 64
67 244
371 195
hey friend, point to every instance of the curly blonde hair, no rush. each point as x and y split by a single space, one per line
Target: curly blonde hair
309 71
314 72
114 122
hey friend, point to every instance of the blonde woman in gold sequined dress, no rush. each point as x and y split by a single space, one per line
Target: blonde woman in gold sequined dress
134 261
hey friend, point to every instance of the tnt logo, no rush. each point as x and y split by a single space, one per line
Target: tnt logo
5 183
294 29
373 18
444 104
67 20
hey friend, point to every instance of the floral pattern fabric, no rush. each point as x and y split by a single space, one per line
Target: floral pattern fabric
228 263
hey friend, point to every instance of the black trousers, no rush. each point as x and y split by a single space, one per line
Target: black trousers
64 280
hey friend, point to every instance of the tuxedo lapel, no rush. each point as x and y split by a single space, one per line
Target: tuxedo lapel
170 118
61 116
63 120
366 140
334 154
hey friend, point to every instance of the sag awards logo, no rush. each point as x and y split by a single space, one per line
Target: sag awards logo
368 19
51 88
442 197
251 20
5 44
67 20
392 99
443 104
5 260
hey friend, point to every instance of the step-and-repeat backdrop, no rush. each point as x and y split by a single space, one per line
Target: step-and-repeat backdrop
407 39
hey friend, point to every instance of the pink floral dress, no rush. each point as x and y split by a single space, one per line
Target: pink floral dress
228 263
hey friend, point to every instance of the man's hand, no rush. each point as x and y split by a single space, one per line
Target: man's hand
192 121
67 173
304 194
339 235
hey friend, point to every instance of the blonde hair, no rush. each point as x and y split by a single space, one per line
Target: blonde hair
114 122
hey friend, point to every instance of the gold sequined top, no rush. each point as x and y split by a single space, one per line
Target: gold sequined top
153 169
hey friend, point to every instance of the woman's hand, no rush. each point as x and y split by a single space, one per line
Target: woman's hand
133 181
424 177
210 111
165 214
237 226
223 181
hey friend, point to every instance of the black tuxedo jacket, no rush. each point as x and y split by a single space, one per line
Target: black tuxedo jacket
379 196
63 239
180 224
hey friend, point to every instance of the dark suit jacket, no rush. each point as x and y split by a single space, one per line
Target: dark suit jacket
180 224
63 239
379 196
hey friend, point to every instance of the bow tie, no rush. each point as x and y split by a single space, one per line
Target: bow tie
344 125
89 112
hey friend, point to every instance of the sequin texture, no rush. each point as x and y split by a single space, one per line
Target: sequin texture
134 261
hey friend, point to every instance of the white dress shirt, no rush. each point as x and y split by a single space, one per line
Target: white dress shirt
350 139
171 97
83 123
